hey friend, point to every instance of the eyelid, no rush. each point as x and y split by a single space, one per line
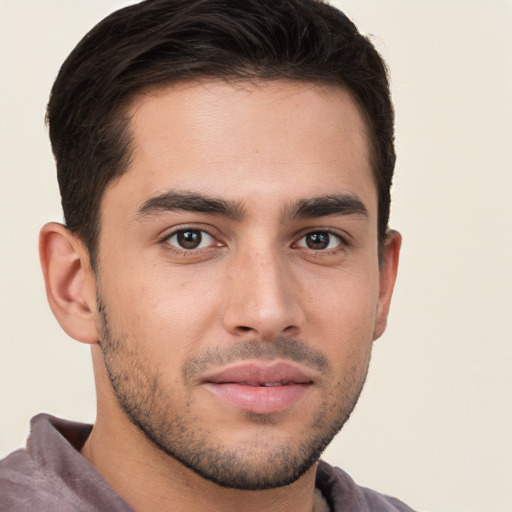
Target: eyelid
206 238
344 239
208 230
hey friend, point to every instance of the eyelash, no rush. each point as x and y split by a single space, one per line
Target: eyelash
342 244
166 241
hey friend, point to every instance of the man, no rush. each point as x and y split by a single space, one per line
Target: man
224 167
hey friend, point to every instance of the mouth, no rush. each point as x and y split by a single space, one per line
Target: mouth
266 384
260 387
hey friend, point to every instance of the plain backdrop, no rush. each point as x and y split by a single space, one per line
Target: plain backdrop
434 423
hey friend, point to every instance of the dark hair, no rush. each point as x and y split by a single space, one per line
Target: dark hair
156 42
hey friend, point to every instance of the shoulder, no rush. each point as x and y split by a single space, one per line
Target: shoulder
51 474
24 485
342 493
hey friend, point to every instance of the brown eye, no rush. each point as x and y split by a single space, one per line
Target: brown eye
190 239
319 241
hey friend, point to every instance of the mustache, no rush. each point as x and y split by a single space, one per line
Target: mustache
290 349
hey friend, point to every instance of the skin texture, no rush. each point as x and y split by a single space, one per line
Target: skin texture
256 278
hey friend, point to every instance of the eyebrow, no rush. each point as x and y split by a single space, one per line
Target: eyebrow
342 204
315 207
190 202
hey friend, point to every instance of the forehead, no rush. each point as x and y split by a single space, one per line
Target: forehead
238 140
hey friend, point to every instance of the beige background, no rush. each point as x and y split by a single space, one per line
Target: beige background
434 424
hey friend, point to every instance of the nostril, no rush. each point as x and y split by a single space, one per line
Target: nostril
244 328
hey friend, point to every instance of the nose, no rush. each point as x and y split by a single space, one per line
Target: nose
263 299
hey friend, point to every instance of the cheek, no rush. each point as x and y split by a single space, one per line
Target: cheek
346 311
161 308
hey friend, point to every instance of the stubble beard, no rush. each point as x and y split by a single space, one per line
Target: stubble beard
259 463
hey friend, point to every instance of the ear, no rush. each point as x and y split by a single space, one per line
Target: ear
388 271
70 281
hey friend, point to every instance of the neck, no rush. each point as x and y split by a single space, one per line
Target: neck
152 481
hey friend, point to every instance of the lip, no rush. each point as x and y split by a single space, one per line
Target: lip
259 387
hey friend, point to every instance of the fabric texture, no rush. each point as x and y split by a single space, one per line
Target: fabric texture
51 475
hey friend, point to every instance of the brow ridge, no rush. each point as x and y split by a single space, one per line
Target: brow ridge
321 206
190 202
315 207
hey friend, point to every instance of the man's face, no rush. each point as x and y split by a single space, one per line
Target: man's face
238 275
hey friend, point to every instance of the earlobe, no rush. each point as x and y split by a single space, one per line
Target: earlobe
69 281
388 272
